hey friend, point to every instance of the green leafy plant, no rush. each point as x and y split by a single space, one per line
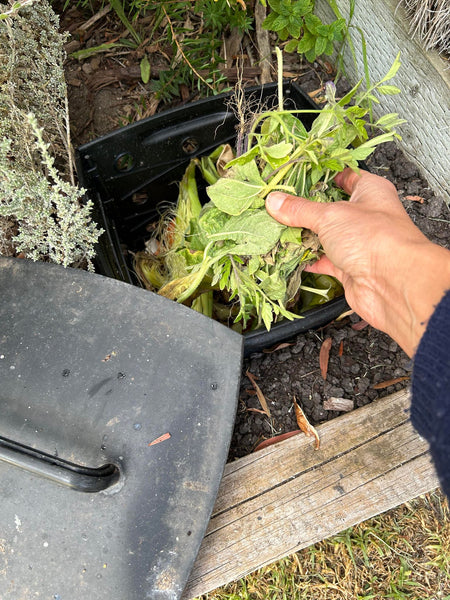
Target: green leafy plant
309 36
190 33
136 43
232 244
195 33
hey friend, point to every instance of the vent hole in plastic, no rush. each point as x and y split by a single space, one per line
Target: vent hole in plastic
190 145
139 198
124 162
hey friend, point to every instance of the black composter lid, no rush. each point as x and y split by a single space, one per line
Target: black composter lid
117 409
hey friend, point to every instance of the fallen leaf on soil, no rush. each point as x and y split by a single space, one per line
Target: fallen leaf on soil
161 438
324 356
256 410
341 348
339 404
305 425
88 24
347 313
260 395
328 66
385 384
415 199
184 91
360 325
276 439
279 347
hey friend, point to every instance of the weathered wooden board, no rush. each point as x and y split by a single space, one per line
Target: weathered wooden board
289 496
424 79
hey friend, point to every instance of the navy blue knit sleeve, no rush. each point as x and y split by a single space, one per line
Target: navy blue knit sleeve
430 408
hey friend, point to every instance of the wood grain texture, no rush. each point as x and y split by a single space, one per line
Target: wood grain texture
289 496
424 79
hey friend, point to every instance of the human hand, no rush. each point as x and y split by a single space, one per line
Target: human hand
393 276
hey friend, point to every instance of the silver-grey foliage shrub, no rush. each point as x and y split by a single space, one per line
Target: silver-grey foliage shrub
37 189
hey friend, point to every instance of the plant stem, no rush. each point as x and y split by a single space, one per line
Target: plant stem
280 78
183 54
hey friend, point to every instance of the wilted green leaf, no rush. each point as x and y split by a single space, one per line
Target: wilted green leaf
254 232
258 261
88 52
361 153
212 219
280 150
393 70
274 286
388 90
145 69
291 235
233 196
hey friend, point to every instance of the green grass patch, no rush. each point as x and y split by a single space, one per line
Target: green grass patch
403 554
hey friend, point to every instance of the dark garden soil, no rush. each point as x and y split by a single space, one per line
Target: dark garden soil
364 364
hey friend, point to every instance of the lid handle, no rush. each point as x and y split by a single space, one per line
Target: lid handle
77 477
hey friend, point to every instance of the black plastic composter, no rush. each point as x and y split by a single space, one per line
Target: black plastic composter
117 409
133 173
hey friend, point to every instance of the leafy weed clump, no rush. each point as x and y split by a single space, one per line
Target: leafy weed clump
231 244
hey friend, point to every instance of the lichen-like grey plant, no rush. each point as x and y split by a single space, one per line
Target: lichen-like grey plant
39 201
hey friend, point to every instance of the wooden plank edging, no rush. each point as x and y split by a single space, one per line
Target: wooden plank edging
289 496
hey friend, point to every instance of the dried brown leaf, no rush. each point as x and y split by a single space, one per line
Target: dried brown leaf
347 313
161 438
305 425
415 199
360 325
385 384
276 439
260 395
226 155
184 92
278 347
310 240
341 348
256 410
109 356
324 356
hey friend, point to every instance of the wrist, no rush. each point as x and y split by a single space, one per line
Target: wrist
423 279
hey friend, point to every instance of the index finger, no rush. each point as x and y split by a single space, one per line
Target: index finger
349 179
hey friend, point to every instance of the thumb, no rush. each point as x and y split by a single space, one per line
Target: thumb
293 211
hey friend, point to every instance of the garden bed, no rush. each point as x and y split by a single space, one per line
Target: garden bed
277 500
364 364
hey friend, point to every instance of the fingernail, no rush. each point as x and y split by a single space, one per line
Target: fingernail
276 200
